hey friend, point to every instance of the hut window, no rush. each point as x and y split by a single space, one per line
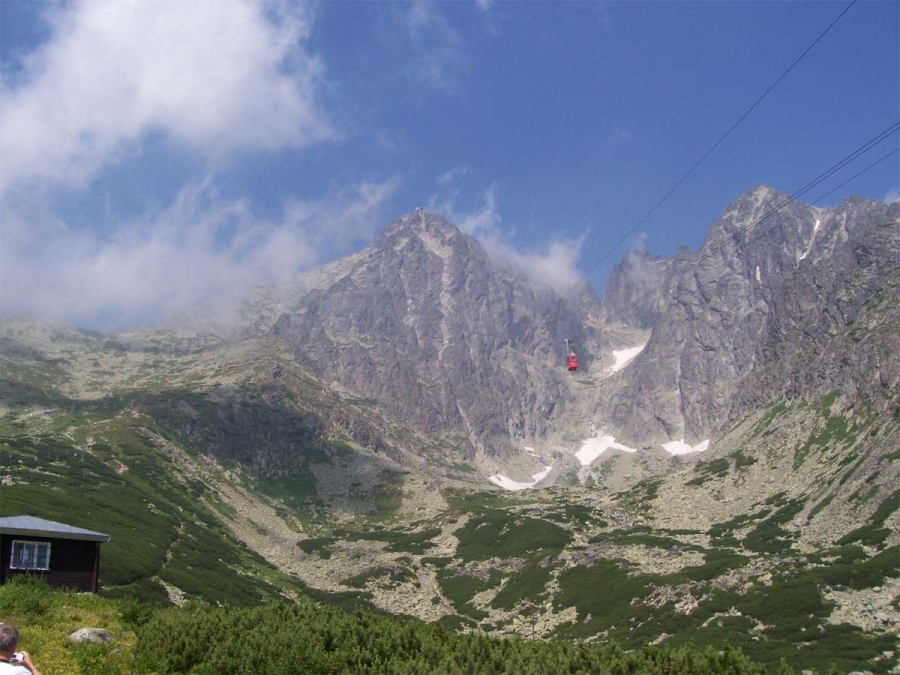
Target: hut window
30 555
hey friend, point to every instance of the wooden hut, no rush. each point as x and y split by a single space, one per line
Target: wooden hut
64 555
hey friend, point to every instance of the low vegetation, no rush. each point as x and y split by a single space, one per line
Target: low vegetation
283 638
501 534
497 561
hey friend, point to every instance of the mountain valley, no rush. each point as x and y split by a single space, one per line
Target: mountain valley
396 430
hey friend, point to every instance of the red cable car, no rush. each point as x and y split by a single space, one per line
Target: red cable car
571 356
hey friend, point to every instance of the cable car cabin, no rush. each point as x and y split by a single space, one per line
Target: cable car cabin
571 356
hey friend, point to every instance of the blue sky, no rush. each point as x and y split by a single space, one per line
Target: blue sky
160 155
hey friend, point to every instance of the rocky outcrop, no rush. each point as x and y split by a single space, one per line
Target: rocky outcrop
630 295
90 636
782 300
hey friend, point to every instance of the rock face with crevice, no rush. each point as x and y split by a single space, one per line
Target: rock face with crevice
631 295
783 301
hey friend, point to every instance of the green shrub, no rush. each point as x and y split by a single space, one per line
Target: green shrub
317 545
507 535
874 533
284 638
135 613
769 536
527 584
26 595
100 659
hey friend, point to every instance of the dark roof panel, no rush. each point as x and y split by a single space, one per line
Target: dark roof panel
38 527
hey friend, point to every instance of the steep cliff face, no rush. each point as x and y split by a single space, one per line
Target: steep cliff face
630 295
835 325
444 339
761 311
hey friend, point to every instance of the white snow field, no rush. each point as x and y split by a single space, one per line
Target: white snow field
510 484
624 356
592 448
682 448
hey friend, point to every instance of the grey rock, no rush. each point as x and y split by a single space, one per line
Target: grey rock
787 303
444 339
630 295
90 635
546 562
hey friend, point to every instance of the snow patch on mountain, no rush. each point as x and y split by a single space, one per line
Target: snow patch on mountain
682 448
624 356
510 484
592 448
812 240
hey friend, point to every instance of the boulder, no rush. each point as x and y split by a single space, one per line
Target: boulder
90 635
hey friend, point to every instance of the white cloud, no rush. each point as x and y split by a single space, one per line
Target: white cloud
554 266
198 249
216 75
489 17
892 196
344 218
437 47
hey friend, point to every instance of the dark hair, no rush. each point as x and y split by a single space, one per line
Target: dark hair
9 639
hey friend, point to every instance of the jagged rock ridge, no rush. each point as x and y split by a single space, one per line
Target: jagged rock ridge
793 302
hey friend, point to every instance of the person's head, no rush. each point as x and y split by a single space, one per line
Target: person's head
9 640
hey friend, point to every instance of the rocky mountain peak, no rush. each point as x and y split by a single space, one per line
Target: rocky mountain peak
426 324
423 225
424 242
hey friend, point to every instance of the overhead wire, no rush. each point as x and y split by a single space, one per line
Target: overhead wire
868 145
705 155
855 176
